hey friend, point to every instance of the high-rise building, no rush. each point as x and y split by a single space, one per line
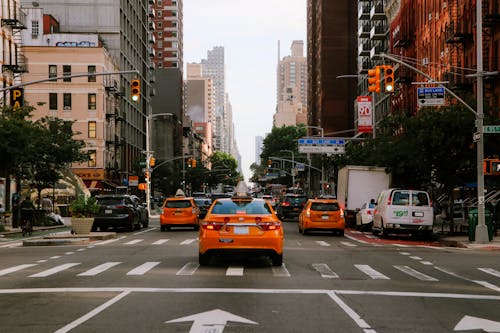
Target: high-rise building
168 33
259 144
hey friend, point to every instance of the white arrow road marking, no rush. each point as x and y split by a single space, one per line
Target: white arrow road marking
99 269
14 269
325 271
161 241
55 270
468 323
135 241
490 271
142 269
188 241
376 275
416 274
211 321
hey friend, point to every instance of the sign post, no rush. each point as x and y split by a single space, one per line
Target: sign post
365 114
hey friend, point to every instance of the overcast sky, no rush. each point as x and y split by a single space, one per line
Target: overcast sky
249 32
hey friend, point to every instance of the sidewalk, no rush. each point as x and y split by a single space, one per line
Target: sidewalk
462 241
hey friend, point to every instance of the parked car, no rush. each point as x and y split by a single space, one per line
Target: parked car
179 211
143 210
241 225
321 215
117 211
403 211
364 217
203 204
291 205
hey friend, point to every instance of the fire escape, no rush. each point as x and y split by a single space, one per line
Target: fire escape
16 63
456 37
491 20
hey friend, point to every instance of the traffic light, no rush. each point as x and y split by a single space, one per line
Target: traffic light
146 175
135 89
189 161
374 80
193 163
152 161
388 79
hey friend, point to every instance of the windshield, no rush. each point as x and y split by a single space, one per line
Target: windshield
241 207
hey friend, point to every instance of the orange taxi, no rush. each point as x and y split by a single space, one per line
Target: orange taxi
241 225
322 214
179 211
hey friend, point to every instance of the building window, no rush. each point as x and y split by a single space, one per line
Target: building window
160 43
160 25
174 33
52 71
175 45
158 13
160 34
92 158
160 54
35 29
92 69
92 129
67 101
52 101
67 71
92 101
174 13
174 24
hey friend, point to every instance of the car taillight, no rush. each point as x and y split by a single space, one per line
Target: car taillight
120 207
308 213
369 212
212 225
269 225
341 212
285 204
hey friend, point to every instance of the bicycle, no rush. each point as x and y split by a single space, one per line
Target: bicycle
26 227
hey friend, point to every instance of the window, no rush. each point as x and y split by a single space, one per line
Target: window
67 71
52 71
92 129
160 43
67 101
92 101
91 69
52 101
92 158
159 24
174 13
160 34
174 24
35 29
158 13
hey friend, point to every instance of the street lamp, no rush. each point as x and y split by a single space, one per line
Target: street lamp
293 164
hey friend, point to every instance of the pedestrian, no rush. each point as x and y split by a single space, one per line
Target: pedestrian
27 210
15 210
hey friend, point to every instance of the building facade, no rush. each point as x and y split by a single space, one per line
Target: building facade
168 33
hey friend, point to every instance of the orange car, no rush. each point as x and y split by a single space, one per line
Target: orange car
322 214
241 225
179 211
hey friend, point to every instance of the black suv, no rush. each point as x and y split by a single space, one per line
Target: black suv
117 211
291 205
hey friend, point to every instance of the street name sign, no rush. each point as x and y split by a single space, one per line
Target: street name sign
491 129
430 96
322 145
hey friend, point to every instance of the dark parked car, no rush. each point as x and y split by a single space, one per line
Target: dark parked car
291 205
117 211
203 204
143 210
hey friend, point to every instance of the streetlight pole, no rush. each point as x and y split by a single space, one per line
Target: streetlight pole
293 165
322 161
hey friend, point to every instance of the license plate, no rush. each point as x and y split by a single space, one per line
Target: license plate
295 209
418 214
108 211
240 230
324 217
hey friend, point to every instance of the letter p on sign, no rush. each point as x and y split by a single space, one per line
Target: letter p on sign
17 97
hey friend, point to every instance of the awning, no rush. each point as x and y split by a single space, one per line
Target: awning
93 184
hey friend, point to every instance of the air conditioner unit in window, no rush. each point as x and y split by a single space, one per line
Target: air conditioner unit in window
425 61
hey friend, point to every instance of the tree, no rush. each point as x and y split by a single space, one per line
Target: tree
224 169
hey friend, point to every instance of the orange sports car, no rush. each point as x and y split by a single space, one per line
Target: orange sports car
241 225
322 214
179 211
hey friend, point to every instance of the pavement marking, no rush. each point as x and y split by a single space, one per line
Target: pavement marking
404 253
490 271
481 283
15 269
355 239
323 243
99 269
92 313
234 271
109 241
487 285
428 263
135 241
348 244
161 241
55 270
188 241
80 250
401 245
281 271
14 244
415 257
350 312
188 269
325 271
372 236
144 268
68 253
55 257
372 273
144 231
414 273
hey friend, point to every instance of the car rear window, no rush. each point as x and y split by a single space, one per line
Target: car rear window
241 207
178 204
325 207
296 200
113 201
400 198
203 202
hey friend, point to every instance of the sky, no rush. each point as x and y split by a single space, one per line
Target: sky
249 32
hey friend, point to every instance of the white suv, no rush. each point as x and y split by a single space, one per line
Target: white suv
403 211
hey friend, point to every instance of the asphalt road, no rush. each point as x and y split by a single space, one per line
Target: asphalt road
150 281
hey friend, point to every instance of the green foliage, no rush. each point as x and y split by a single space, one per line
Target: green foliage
84 206
224 169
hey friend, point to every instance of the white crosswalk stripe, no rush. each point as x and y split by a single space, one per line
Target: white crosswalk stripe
15 269
11 245
490 271
234 271
323 243
188 269
55 270
325 271
135 241
414 273
188 241
144 268
372 273
348 244
99 269
161 241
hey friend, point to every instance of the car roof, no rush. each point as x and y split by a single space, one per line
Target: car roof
323 200
179 198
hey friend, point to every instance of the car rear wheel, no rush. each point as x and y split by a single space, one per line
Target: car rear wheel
146 223
340 233
203 259
384 232
277 259
162 228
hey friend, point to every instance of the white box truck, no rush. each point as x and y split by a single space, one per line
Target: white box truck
358 184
